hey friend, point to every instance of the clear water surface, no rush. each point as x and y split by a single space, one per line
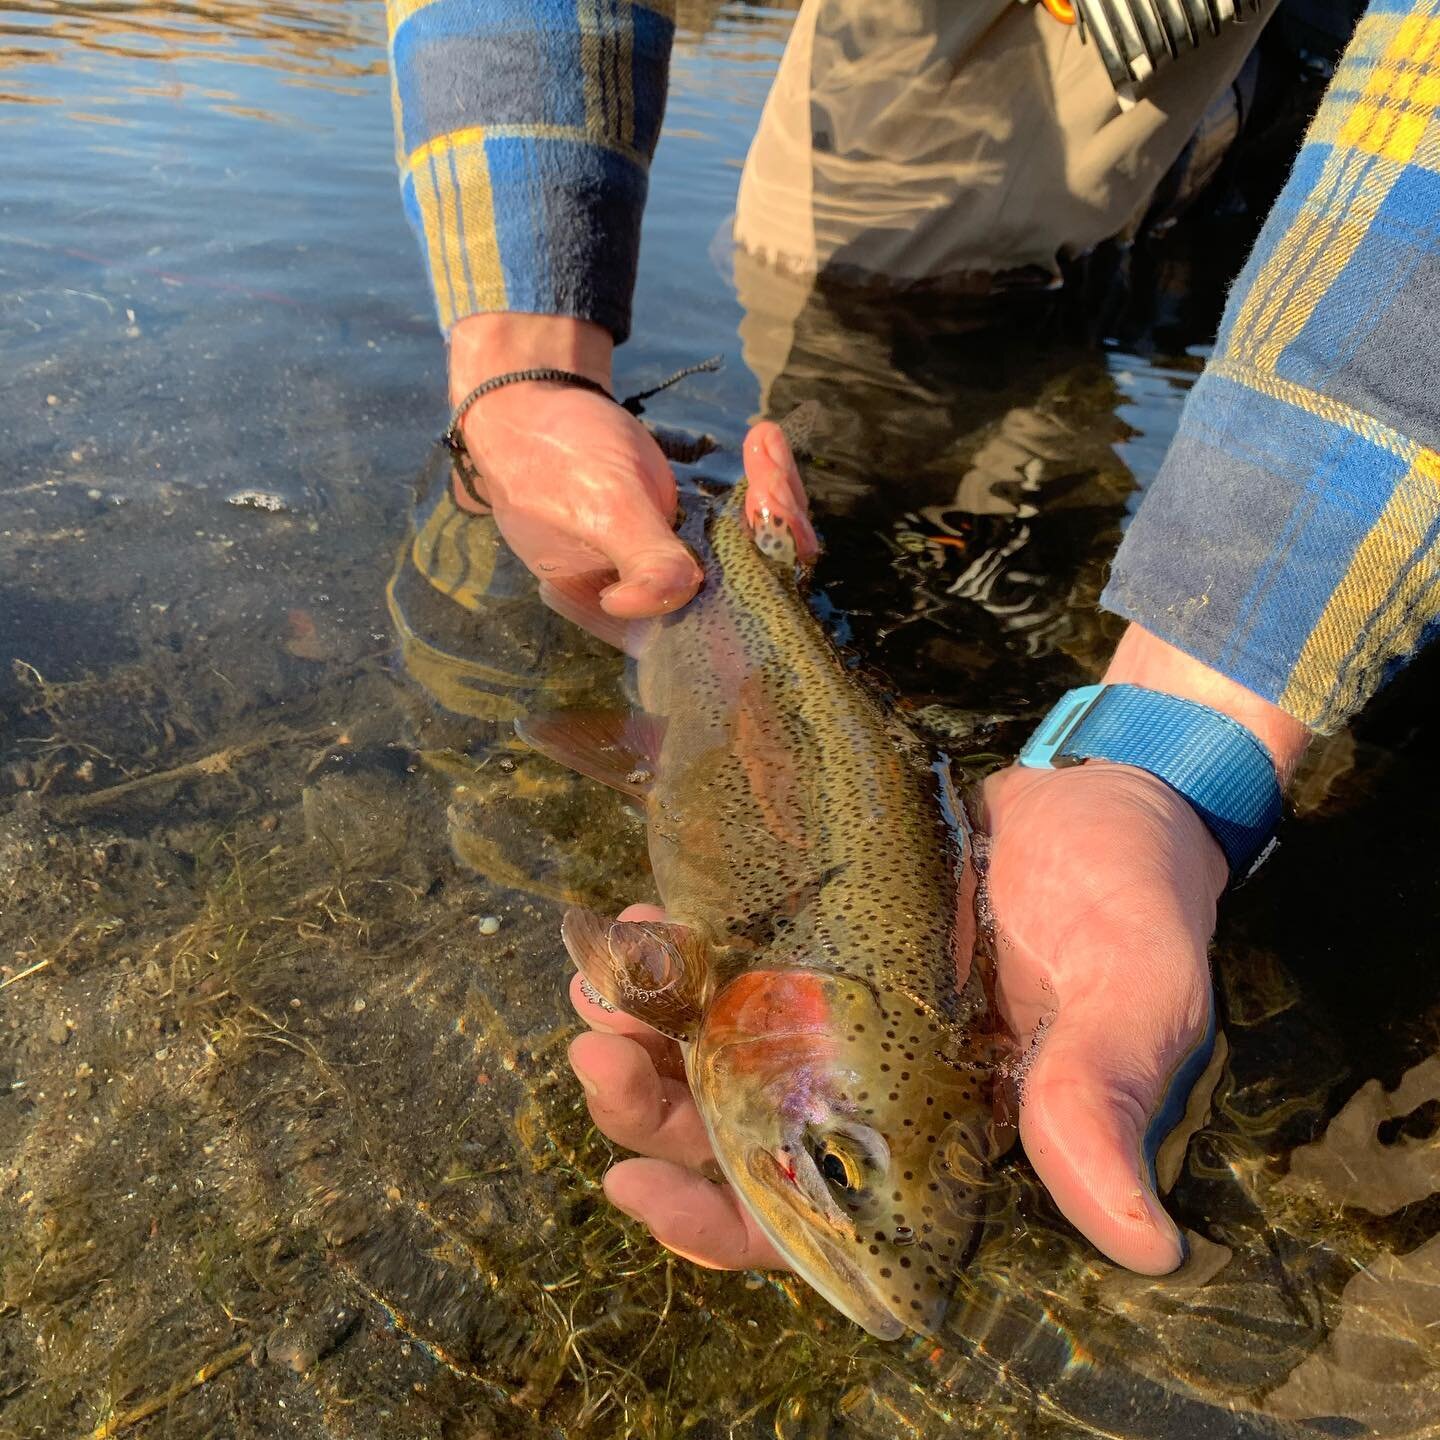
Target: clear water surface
287 1141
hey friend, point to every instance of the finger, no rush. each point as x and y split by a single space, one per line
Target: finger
698 1220
599 1016
641 912
664 1053
1104 1089
657 572
636 1106
775 485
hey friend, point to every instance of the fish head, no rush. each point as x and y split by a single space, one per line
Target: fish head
855 1134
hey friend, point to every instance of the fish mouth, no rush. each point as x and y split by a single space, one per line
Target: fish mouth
821 1261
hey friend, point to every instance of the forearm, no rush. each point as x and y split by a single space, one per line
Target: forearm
1289 540
524 138
483 346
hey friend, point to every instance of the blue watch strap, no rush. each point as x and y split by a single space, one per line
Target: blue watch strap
1213 761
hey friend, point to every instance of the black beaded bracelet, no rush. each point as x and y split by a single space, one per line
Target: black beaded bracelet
454 437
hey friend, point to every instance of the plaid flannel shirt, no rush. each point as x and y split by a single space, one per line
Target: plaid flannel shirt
524 133
1290 538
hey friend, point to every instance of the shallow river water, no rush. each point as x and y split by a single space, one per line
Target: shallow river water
288 1146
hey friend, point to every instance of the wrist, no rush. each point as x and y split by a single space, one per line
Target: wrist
482 346
1144 659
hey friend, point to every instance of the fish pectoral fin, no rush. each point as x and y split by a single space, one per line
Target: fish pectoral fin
617 748
577 599
653 970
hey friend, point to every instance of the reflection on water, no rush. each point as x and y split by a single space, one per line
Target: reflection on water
287 1140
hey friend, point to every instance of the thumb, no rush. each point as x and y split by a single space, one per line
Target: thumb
1104 1090
657 571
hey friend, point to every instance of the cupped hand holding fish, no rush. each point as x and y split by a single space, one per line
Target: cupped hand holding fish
1103 885
577 485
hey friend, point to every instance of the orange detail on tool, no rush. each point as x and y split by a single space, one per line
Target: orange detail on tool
1062 10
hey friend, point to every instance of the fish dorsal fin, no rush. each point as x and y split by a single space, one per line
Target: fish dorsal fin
653 970
800 425
619 749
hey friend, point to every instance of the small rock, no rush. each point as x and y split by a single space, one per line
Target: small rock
59 1030
269 824
259 500
358 1006
289 1345
489 924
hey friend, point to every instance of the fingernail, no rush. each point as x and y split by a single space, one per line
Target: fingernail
651 580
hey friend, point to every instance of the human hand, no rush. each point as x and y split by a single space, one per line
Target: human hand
1103 884
634 1083
577 485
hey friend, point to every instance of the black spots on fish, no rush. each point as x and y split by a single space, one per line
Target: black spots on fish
875 1250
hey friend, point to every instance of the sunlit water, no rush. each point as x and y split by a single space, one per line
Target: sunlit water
287 1141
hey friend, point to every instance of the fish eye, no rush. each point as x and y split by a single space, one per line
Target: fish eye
840 1168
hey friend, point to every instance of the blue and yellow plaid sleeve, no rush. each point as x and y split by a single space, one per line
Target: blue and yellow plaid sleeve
1292 537
524 133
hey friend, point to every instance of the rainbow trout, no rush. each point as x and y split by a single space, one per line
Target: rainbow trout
815 872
